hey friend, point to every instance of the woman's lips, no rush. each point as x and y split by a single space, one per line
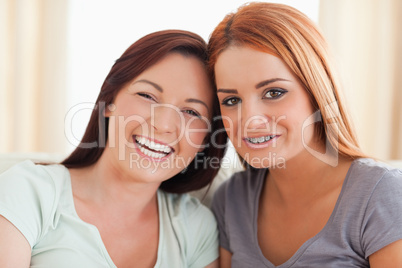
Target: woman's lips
260 141
151 148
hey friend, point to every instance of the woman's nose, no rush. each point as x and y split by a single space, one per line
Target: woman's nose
166 118
254 117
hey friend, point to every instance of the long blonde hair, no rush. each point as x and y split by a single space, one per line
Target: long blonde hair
293 37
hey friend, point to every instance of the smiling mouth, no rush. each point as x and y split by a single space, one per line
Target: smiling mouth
151 148
260 140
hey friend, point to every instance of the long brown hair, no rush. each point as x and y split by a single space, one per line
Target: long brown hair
293 37
136 59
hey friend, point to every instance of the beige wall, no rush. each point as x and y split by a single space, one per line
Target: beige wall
33 70
366 38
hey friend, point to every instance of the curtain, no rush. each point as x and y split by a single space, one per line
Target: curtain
33 49
366 39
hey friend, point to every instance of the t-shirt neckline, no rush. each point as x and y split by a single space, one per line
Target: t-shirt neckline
306 244
96 231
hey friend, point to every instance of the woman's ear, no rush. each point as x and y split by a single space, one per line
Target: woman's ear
108 111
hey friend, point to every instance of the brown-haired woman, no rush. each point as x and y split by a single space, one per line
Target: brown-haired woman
116 200
309 197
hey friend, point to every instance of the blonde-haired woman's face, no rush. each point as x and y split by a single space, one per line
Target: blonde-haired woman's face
265 109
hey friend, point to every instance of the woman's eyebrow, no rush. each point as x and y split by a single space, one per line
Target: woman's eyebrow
224 90
156 86
269 81
198 101
257 86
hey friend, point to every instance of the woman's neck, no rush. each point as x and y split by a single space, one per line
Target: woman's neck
304 179
106 185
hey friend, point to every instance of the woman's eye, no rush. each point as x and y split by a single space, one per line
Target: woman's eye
275 93
192 113
231 101
146 96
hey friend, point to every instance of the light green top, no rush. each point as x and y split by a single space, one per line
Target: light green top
38 200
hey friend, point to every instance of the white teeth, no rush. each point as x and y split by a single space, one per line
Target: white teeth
162 150
151 153
260 139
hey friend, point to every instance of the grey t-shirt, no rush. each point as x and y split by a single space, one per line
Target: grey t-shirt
366 218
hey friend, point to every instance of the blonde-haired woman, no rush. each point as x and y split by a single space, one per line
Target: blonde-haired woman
309 196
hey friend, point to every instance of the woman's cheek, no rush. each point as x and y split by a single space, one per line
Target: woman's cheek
232 128
196 131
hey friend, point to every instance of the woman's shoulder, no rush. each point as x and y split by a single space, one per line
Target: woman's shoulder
27 172
238 193
39 185
187 223
372 164
374 198
249 180
29 195
182 205
367 177
371 185
370 170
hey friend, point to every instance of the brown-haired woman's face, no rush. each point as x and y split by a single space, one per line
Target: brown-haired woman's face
265 108
158 122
